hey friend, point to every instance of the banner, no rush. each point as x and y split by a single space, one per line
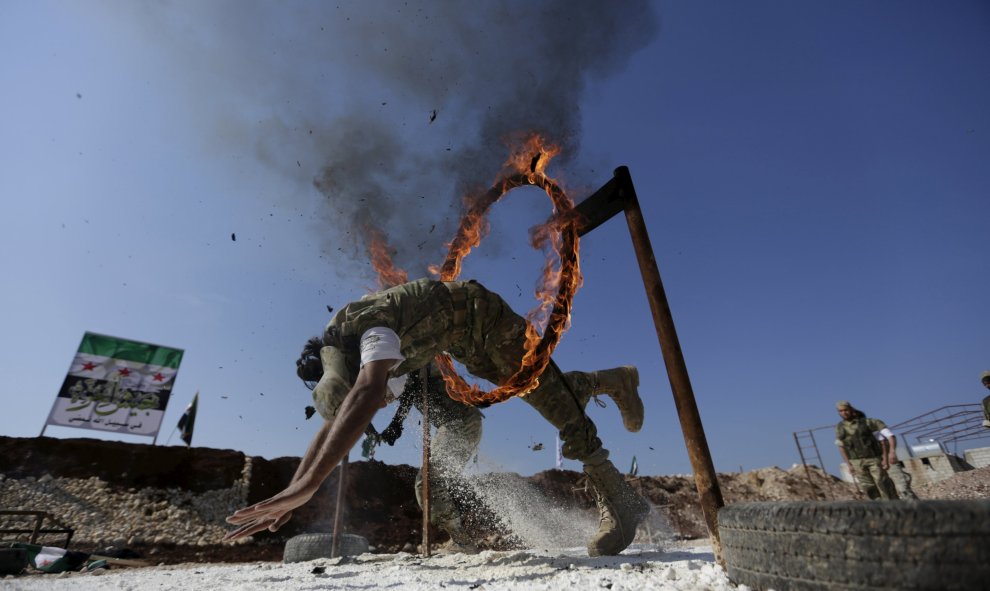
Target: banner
116 385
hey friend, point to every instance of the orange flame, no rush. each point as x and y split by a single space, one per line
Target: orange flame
526 165
380 254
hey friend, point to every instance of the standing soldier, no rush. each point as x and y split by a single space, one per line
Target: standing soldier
862 452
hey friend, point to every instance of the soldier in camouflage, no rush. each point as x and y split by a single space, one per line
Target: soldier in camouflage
863 452
458 434
900 477
403 328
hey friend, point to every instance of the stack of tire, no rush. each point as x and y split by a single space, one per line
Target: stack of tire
902 545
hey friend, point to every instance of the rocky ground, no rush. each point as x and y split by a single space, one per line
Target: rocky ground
136 506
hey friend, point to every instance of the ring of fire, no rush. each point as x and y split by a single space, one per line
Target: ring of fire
556 293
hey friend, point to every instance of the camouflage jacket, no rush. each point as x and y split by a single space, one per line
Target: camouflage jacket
856 436
420 312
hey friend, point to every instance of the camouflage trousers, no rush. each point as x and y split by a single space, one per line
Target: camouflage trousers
491 349
872 479
452 446
901 480
456 441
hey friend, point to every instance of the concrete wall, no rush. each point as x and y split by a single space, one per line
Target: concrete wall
978 457
925 470
933 468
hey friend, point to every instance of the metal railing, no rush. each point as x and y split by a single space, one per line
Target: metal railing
38 529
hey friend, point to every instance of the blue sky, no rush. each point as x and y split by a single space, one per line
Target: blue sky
813 176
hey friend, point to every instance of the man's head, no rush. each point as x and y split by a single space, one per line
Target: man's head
309 368
985 378
846 410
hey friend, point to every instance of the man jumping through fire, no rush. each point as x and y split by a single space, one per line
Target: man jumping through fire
402 329
459 425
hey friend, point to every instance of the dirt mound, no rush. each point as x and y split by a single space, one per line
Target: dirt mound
973 484
169 503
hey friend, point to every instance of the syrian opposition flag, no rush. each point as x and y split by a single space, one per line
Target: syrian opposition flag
117 385
188 420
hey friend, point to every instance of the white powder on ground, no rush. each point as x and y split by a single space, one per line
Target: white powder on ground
674 568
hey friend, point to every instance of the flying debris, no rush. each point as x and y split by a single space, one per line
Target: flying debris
233 237
537 447
433 116
310 411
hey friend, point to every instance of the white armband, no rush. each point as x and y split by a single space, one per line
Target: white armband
378 343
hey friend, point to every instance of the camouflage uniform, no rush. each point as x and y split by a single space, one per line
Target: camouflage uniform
458 436
485 335
901 480
477 328
865 455
453 445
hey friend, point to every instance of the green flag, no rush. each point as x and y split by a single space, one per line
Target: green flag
116 384
188 420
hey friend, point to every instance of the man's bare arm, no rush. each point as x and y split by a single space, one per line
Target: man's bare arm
892 450
304 464
329 446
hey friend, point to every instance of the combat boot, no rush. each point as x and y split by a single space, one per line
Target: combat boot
620 507
621 385
460 542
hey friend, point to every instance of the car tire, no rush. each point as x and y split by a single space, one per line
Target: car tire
903 545
312 546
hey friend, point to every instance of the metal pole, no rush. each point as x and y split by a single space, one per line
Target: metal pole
807 472
338 514
424 377
709 493
821 464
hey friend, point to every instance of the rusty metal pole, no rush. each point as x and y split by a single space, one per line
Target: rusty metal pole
338 514
424 377
804 462
709 493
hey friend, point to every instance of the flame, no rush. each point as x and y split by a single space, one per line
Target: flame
559 281
380 254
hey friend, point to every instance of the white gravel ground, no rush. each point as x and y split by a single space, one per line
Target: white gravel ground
672 568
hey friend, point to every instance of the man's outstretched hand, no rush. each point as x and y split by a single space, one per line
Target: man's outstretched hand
270 514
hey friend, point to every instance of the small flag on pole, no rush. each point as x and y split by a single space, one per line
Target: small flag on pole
634 469
188 420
